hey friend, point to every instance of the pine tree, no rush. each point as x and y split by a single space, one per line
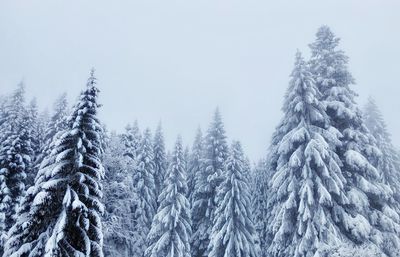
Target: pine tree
145 189
259 203
233 233
120 202
132 140
3 115
64 216
55 126
307 187
35 125
389 162
186 158
31 115
207 181
53 129
170 231
369 198
15 160
194 165
160 160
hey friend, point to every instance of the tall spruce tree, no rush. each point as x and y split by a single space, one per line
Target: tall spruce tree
120 202
53 129
15 160
194 164
171 229
389 162
132 140
307 188
35 123
57 123
233 233
207 181
160 159
259 203
186 158
369 198
64 216
145 189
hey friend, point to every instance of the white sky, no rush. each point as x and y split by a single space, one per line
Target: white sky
177 60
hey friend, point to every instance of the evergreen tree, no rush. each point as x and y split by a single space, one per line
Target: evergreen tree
52 129
194 165
389 162
32 115
132 140
160 159
170 231
55 126
145 189
15 160
35 125
186 158
3 115
64 216
307 187
120 202
233 233
259 203
207 181
369 198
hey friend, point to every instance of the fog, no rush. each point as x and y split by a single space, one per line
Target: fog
176 61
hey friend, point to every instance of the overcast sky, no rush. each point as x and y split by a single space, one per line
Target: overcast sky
176 61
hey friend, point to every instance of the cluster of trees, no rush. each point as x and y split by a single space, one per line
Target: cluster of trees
182 203
51 172
329 185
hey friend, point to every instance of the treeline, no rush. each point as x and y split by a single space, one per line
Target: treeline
329 185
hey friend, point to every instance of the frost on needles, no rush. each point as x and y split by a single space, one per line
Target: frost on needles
205 189
372 218
307 184
325 187
328 186
233 233
171 227
64 217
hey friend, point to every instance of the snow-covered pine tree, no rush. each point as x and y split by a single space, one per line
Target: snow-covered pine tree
145 189
389 162
55 126
160 159
35 124
186 158
171 229
207 181
233 233
259 202
132 140
373 218
120 202
32 116
248 170
307 185
64 216
3 114
15 160
194 165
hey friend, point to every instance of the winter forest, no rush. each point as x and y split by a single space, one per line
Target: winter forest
328 185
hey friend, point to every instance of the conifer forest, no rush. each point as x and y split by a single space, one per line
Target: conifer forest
327 185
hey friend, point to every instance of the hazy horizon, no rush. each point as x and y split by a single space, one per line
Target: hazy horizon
176 61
